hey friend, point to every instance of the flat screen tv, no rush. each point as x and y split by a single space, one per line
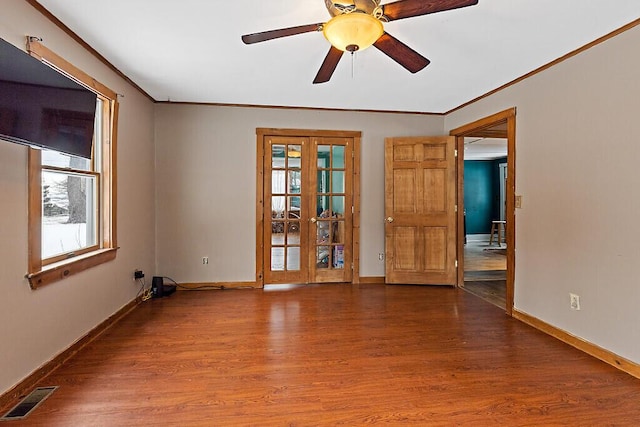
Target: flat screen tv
42 107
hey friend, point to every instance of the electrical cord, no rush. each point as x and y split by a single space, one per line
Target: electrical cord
141 287
143 294
205 287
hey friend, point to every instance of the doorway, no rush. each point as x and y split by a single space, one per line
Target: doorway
500 125
306 203
485 253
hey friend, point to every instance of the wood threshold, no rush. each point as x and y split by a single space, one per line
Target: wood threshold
372 280
43 371
598 352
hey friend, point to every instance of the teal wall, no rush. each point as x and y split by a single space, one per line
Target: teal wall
481 194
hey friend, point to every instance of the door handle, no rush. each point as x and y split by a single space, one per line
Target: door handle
389 219
313 220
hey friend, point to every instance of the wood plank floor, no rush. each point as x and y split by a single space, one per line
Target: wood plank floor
493 291
332 355
485 272
480 256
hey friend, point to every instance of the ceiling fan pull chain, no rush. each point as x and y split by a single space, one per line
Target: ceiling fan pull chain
353 60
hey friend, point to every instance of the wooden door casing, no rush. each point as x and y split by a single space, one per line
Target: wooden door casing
498 125
420 218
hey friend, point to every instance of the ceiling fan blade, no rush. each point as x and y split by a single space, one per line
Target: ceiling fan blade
409 8
283 32
401 53
328 66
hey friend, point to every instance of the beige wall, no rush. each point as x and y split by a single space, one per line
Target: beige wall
37 325
578 170
206 180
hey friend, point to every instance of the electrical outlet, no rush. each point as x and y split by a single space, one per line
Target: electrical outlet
380 257
205 260
138 274
575 301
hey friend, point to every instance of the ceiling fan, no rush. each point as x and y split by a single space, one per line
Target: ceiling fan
358 24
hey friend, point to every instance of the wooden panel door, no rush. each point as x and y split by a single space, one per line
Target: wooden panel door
420 218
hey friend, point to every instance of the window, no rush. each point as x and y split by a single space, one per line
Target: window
72 199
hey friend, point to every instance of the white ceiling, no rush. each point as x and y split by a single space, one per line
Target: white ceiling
190 50
484 148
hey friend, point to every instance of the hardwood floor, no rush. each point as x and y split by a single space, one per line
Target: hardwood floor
485 272
492 291
332 355
479 256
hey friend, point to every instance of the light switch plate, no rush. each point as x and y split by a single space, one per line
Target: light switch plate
518 202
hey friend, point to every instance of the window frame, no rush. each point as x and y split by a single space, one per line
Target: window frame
42 272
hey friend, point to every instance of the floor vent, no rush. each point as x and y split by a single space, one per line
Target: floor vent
29 403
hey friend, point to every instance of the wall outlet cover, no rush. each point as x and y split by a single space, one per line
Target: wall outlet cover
574 301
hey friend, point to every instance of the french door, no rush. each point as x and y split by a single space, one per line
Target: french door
285 205
306 231
331 210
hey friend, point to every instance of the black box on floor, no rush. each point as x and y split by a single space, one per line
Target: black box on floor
159 289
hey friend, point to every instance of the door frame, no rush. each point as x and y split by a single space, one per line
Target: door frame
502 167
261 133
482 127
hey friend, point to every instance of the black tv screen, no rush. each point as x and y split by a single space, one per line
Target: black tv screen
42 107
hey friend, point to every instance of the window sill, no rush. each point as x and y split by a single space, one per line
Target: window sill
63 269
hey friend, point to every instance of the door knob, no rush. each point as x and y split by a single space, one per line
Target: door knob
389 219
313 220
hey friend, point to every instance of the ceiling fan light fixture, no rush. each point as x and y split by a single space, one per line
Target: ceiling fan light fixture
353 31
